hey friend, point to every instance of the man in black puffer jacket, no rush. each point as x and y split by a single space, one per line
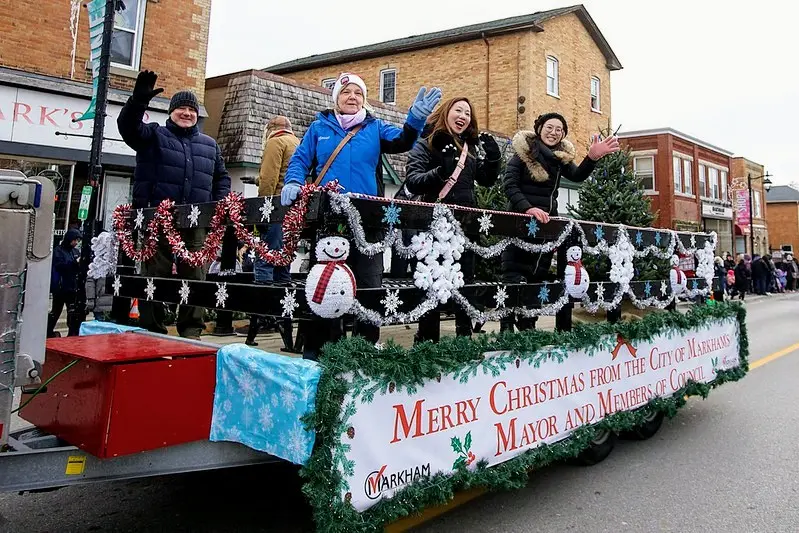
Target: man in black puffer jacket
174 162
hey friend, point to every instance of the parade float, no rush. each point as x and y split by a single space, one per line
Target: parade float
381 432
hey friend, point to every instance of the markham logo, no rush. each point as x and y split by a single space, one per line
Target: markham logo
620 343
379 481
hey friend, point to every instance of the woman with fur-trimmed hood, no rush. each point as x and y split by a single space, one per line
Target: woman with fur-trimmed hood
532 177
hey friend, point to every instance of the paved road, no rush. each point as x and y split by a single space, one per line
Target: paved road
730 463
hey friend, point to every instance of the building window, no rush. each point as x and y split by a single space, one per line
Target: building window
388 86
552 76
677 174
713 182
329 83
644 170
724 186
688 182
595 94
127 37
756 208
702 181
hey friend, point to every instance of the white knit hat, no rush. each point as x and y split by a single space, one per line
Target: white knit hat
344 80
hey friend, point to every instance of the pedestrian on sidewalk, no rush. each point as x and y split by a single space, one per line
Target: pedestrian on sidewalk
178 163
279 147
720 273
760 275
445 166
63 278
791 269
742 278
345 144
542 158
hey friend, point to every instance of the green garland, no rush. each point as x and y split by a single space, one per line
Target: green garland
394 367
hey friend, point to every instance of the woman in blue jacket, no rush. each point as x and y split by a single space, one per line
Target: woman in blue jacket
355 168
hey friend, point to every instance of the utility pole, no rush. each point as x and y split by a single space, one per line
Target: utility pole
78 314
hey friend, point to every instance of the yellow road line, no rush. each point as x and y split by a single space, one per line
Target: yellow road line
776 355
464 497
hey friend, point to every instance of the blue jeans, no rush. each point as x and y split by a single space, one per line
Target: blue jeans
263 271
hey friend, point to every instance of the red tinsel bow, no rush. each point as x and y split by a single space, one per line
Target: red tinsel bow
621 342
578 274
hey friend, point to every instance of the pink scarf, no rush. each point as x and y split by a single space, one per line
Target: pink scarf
350 121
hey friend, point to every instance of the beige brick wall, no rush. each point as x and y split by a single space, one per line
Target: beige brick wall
517 67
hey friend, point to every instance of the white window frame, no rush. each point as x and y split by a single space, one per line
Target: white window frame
328 83
687 177
702 181
676 163
597 95
552 60
638 176
723 177
713 180
382 80
138 34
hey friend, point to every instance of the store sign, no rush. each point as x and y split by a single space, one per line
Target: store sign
716 211
35 117
742 207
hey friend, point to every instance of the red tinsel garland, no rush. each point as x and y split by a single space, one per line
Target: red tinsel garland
228 212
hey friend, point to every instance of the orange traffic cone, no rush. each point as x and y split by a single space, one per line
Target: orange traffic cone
134 309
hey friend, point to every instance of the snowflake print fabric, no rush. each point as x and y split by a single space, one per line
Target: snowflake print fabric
260 398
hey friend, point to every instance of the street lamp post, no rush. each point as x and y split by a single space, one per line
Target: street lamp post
767 187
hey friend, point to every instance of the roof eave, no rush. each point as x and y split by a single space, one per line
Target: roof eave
611 59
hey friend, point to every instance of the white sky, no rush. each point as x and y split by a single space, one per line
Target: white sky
723 71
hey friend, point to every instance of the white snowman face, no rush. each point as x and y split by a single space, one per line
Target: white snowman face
675 261
574 253
332 249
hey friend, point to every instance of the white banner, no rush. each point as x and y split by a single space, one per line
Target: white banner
398 437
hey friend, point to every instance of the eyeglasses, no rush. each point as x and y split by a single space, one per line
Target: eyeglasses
551 129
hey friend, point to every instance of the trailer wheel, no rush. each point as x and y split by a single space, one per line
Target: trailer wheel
652 422
599 449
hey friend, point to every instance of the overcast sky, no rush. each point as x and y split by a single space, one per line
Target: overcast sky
723 71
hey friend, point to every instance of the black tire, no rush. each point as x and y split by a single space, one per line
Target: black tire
599 449
646 430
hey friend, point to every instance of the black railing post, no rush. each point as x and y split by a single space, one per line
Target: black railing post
563 320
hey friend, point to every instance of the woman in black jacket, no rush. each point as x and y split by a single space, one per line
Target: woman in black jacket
542 157
63 277
431 173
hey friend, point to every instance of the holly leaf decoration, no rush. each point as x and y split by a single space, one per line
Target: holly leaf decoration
467 442
460 462
456 445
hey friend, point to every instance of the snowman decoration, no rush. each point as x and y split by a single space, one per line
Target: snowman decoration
679 282
330 287
575 277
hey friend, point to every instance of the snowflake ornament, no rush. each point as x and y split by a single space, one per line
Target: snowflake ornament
532 227
194 216
138 222
663 288
600 292
543 294
693 241
658 238
117 285
485 223
289 303
599 233
184 292
221 294
391 214
639 238
391 302
501 296
266 209
647 289
149 290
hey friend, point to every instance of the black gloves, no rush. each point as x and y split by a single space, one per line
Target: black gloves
490 147
449 161
145 90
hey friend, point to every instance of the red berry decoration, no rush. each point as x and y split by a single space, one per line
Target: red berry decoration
351 432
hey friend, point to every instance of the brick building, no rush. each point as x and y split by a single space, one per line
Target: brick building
512 70
783 218
687 179
742 170
45 81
